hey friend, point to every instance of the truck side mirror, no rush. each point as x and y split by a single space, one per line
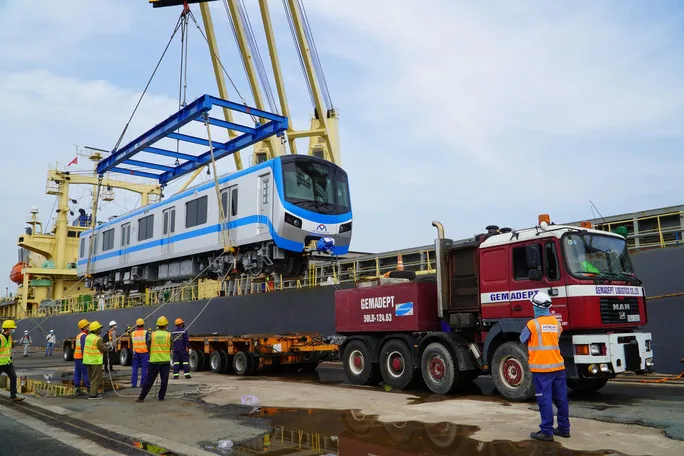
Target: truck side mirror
532 257
534 274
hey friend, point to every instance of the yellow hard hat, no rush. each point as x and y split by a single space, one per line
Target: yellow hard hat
162 321
139 322
94 326
83 323
9 324
179 321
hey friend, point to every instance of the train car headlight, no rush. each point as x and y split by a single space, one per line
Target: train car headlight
292 220
345 227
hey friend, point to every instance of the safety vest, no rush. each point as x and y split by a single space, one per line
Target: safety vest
160 347
91 354
78 352
542 348
5 350
138 338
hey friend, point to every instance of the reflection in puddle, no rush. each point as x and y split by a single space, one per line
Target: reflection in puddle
308 432
154 449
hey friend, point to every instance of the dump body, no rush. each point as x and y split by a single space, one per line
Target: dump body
409 306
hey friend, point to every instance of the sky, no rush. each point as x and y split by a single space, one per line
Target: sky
471 113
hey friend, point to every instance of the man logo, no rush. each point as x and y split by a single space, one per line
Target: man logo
322 228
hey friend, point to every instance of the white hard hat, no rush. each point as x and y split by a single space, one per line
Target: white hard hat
112 323
26 330
52 330
541 299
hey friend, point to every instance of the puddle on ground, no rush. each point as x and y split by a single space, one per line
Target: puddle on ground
350 433
153 449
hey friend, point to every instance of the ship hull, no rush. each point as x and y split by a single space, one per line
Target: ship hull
313 310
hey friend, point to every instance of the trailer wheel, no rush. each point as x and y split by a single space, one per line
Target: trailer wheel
511 372
586 385
125 357
68 354
242 363
438 368
396 364
217 361
357 364
196 360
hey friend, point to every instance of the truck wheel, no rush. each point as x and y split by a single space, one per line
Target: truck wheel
125 357
357 364
196 360
68 354
396 364
586 385
511 373
438 368
217 362
242 363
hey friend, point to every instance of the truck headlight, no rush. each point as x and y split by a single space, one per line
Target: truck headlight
597 349
649 362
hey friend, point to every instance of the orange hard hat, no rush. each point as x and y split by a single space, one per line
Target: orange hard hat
179 321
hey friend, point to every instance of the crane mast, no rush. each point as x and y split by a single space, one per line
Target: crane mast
323 130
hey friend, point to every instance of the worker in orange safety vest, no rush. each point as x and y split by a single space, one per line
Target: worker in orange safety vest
542 337
141 355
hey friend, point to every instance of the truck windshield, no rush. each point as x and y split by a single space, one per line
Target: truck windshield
597 255
316 186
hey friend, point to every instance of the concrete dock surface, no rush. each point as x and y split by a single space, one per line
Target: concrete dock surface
320 414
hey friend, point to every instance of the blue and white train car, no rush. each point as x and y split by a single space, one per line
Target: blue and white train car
273 211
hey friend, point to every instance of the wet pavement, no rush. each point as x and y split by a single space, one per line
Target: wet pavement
261 430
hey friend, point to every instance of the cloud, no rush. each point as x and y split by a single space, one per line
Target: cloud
457 111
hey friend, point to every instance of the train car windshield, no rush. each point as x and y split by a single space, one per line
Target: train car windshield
597 255
316 186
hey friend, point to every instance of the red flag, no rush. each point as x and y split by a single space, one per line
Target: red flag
74 161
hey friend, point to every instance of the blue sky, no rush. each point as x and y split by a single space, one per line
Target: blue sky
471 113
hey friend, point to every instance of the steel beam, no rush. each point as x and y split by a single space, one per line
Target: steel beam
134 172
229 125
169 153
142 164
188 138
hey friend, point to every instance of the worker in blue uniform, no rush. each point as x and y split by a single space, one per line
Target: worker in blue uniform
181 349
542 336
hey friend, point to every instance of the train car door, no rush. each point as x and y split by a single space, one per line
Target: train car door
264 203
229 203
125 242
168 228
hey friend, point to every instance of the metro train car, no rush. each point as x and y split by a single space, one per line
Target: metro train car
273 211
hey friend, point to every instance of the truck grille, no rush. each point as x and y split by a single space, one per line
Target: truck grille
619 311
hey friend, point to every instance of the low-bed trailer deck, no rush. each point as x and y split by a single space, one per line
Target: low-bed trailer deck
243 354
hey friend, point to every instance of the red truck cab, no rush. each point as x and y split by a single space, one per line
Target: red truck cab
467 319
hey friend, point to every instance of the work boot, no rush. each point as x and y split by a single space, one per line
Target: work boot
188 376
559 433
541 436
16 399
99 396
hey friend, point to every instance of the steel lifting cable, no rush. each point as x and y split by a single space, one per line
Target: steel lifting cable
315 57
224 229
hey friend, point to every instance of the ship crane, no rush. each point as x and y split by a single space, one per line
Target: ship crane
323 132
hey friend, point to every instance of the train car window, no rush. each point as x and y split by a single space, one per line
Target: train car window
224 202
145 228
196 212
125 234
81 252
173 220
169 221
234 201
95 243
108 240
264 189
342 191
165 223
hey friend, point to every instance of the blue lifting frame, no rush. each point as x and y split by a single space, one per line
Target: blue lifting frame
198 111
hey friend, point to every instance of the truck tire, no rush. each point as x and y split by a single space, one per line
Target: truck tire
68 354
125 357
511 372
586 385
357 364
396 364
439 369
217 361
196 360
242 363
